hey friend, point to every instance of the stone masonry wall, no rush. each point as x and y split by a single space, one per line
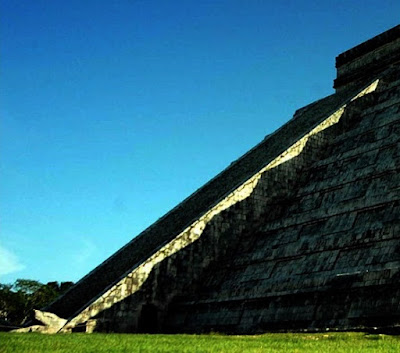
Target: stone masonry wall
301 232
328 254
146 244
275 172
162 232
181 274
368 59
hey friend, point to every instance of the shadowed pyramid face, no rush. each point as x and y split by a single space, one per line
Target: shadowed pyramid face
299 233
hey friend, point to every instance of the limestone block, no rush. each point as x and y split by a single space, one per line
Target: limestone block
51 323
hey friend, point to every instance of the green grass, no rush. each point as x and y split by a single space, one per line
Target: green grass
110 343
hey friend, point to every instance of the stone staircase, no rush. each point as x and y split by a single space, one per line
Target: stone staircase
328 253
300 233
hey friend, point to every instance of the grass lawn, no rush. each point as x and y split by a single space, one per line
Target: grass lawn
98 343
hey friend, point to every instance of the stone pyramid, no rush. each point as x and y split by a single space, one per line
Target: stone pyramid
300 233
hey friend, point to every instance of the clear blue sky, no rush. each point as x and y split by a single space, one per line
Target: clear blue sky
112 112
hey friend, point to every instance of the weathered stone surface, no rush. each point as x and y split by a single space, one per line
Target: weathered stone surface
369 58
51 323
191 209
330 259
302 232
32 328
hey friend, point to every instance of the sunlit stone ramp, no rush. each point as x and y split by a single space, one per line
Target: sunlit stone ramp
302 232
